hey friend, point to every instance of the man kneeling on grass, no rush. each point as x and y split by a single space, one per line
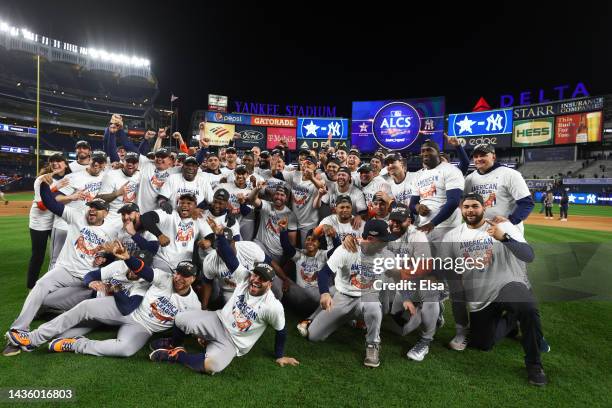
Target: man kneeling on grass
497 289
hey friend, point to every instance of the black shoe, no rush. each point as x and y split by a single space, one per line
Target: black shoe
536 376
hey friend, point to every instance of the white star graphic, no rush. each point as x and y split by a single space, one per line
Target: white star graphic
311 128
363 128
465 125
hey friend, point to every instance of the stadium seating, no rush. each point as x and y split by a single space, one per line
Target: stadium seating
546 169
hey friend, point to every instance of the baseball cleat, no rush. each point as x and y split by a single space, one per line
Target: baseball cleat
536 376
63 345
303 327
459 342
169 355
420 350
440 322
11 350
161 343
372 358
20 338
358 324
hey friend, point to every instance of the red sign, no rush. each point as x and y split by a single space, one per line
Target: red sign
578 128
275 135
136 132
274 121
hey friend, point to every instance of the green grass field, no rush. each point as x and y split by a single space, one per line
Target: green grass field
331 373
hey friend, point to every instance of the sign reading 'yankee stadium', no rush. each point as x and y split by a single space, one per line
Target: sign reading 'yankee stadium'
269 109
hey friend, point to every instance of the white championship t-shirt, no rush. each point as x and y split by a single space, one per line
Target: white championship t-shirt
431 186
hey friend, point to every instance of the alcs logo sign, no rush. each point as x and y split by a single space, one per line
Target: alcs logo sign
396 125
533 132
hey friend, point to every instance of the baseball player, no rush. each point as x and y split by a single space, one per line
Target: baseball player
269 216
214 265
420 307
371 185
86 235
438 187
178 233
496 287
120 186
337 226
356 294
3 197
304 186
399 179
41 219
168 295
82 187
119 292
188 181
232 331
504 190
344 186
238 193
220 213
83 156
153 177
303 294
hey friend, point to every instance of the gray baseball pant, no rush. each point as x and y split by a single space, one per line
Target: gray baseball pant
453 280
205 324
58 239
426 316
303 300
131 337
344 309
65 299
102 310
55 279
159 263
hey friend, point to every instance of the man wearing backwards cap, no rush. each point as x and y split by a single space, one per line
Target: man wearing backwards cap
120 186
232 331
399 179
168 295
87 232
81 187
357 276
504 190
188 181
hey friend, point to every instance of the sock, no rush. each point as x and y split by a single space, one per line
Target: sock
193 361
178 336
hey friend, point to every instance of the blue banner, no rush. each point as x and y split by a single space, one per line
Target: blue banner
230 118
321 128
496 122
580 198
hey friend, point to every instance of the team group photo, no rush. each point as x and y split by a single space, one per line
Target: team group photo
236 217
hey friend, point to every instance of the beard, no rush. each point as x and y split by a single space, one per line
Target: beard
476 220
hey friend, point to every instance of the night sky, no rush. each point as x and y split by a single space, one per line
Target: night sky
309 53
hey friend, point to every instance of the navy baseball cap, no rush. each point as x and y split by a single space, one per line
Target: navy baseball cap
364 168
311 159
392 157
399 213
221 194
432 144
344 169
264 271
343 199
128 208
131 156
264 154
181 156
484 148
162 152
98 156
377 229
191 160
151 155
98 204
230 149
82 143
240 169
186 269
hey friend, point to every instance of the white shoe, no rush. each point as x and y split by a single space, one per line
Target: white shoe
459 342
563 219
419 351
303 327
